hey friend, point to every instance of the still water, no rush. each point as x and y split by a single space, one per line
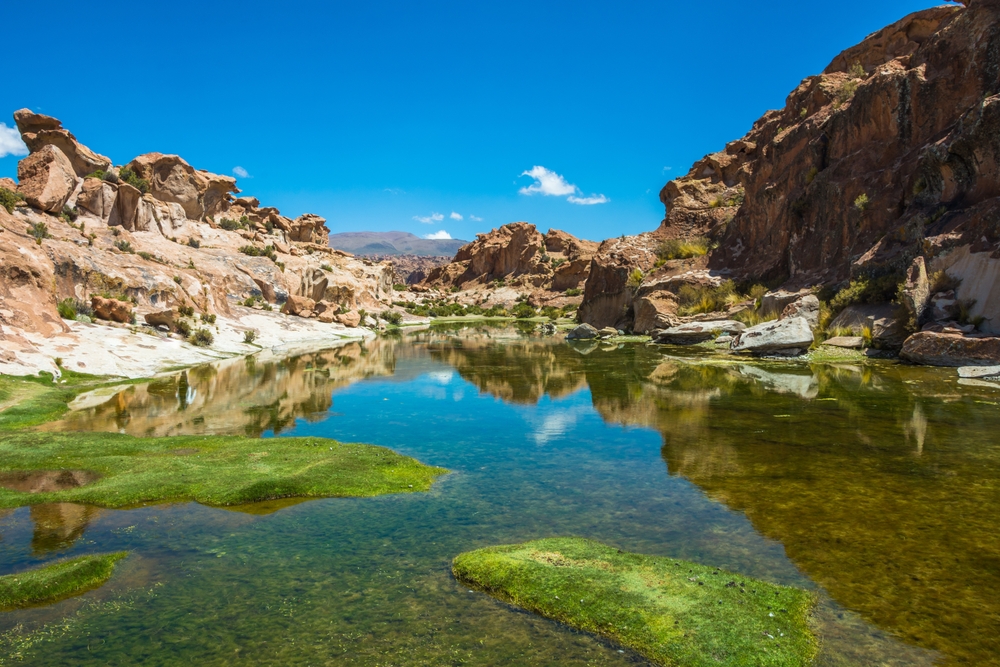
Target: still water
875 484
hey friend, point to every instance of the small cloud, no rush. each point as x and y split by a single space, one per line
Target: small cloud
394 191
429 219
547 183
10 141
475 218
455 216
588 201
667 168
240 172
438 236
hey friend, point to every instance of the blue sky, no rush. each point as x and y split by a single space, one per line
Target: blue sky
376 114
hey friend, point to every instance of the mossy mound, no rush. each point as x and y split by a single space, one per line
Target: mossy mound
57 581
670 611
124 471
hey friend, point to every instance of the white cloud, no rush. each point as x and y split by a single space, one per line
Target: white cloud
240 172
10 141
475 218
455 216
547 183
588 201
441 377
438 236
429 219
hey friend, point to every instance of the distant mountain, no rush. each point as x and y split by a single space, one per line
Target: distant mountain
393 243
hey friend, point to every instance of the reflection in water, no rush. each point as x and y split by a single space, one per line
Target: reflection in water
59 525
881 482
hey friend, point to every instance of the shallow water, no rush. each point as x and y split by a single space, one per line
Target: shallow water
876 485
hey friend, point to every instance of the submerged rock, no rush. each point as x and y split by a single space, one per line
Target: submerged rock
848 342
789 337
979 372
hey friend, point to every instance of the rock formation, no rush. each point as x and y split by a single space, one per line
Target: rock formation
166 238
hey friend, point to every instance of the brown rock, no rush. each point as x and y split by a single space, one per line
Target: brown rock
125 211
171 179
847 342
806 307
886 321
39 131
309 228
8 184
111 309
349 319
916 292
298 305
47 179
97 197
162 317
941 349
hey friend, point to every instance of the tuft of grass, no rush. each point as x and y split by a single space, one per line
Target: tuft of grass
202 338
573 291
9 199
39 231
694 299
124 246
683 248
249 336
635 279
862 201
57 581
672 612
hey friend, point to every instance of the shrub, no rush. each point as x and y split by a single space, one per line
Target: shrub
867 290
455 288
9 199
126 175
269 226
39 231
683 248
811 175
573 291
523 311
496 311
177 279
99 174
267 251
393 317
229 224
202 338
362 313
68 214
124 246
110 177
399 287
635 278
145 255
845 92
693 299
857 71
194 243
942 281
208 318
67 309
249 336
186 311
183 327
327 267
861 203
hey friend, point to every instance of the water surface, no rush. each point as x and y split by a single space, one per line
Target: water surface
875 485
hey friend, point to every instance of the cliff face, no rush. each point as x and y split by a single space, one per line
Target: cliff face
891 153
161 235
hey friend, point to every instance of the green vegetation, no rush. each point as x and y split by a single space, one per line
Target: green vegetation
694 299
185 311
126 175
194 243
9 199
862 201
634 279
523 311
672 612
124 246
267 251
867 290
683 248
573 291
399 287
177 279
183 327
249 336
208 318
66 310
393 317
148 256
57 581
202 338
39 231
229 224
68 215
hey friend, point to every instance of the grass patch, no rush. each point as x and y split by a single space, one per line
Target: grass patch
682 248
58 581
212 470
673 612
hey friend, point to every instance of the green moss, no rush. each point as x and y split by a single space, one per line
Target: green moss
213 470
673 612
57 581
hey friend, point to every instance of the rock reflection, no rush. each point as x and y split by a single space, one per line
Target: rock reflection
58 525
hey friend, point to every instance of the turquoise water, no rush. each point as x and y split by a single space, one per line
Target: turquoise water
877 486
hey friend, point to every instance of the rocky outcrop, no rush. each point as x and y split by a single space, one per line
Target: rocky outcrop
46 179
113 310
520 256
944 349
309 228
171 179
38 131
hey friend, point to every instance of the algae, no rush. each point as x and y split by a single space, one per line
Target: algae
56 581
670 611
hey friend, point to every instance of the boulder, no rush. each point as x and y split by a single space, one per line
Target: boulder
979 371
309 228
47 179
111 309
349 319
784 338
8 184
886 321
944 306
125 211
299 305
39 131
171 179
161 318
848 342
806 307
697 332
97 197
583 332
945 349
774 303
608 332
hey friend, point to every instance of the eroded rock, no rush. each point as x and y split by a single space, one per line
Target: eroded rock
944 349
111 309
789 337
39 131
697 332
46 179
583 332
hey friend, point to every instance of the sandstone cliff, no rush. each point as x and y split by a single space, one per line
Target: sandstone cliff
888 155
162 241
